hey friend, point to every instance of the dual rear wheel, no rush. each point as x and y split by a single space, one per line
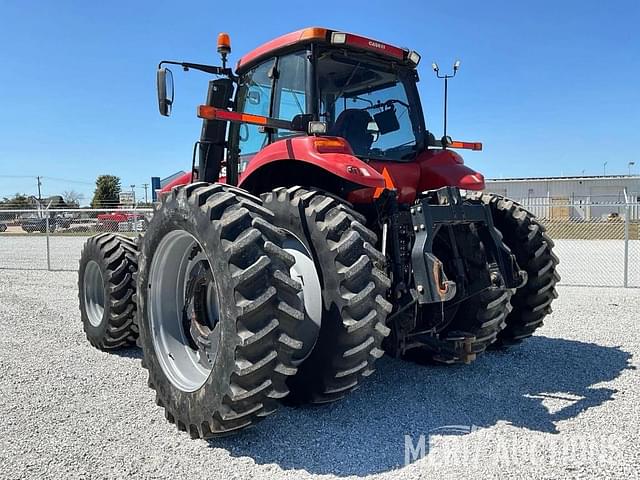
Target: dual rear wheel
222 323
354 284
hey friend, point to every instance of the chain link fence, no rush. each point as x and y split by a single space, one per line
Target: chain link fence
52 239
598 242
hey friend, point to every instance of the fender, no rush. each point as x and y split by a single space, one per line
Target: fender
445 168
329 155
181 180
431 170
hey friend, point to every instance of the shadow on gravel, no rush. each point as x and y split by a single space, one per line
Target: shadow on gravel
364 433
130 352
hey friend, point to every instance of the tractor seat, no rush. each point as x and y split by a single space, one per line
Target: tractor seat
352 125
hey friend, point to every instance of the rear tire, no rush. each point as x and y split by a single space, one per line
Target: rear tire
218 371
533 249
106 290
482 315
354 285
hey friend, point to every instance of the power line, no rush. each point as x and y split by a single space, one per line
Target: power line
55 179
18 176
69 181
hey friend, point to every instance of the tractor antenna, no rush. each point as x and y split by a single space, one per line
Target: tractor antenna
446 77
224 47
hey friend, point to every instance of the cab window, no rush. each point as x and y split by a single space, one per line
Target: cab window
290 98
254 96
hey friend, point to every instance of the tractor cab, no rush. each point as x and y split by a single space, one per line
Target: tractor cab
322 105
360 90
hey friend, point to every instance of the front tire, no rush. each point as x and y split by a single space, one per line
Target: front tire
218 311
354 285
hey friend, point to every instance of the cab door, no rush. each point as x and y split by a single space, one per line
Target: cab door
253 96
276 88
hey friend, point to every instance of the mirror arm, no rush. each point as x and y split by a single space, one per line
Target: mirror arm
203 68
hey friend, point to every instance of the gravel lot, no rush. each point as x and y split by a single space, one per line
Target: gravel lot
563 404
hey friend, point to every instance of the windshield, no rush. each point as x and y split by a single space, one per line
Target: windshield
367 104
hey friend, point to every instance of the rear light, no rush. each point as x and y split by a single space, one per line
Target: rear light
338 38
317 128
414 57
332 145
466 145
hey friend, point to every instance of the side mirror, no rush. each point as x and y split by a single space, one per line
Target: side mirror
165 91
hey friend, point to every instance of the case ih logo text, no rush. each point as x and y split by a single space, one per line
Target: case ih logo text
373 44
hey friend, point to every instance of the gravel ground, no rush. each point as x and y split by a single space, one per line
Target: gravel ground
563 404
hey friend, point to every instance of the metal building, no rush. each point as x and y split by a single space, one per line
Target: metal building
582 197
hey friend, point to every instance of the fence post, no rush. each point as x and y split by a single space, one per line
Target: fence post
48 249
627 220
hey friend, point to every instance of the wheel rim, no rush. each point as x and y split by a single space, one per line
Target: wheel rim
93 287
184 312
305 272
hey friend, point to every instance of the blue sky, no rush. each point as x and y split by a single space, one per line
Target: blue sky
549 87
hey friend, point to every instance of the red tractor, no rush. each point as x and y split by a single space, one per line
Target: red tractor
321 225
110 222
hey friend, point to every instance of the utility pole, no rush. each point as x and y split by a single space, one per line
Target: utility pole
39 192
145 186
133 191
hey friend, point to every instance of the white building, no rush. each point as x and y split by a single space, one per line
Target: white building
585 197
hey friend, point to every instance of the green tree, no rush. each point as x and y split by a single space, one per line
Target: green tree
107 193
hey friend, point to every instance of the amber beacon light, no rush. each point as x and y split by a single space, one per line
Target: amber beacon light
224 47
